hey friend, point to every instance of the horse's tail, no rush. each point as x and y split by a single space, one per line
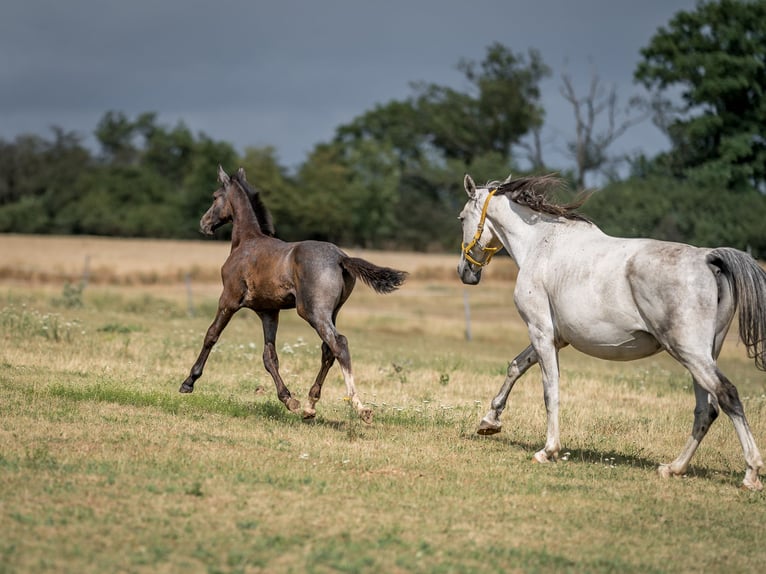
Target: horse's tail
748 281
382 279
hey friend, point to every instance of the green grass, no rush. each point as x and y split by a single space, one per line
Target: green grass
105 467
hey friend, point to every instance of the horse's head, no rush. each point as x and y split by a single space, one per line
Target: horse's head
479 241
221 211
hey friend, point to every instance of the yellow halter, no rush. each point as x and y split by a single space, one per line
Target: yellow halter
475 241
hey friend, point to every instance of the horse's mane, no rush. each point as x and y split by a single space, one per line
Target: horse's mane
262 213
533 192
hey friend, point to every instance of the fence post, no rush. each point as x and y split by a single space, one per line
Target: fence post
467 307
189 299
85 273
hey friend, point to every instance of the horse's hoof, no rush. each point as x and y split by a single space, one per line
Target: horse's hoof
541 457
366 415
186 388
664 471
309 414
753 486
487 428
293 405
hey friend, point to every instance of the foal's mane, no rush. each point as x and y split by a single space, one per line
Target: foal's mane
262 213
533 192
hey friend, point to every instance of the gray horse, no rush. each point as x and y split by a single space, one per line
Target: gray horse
617 299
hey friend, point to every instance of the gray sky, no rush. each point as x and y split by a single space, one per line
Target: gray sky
288 72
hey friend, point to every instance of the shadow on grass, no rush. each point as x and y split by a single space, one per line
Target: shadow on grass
176 403
610 458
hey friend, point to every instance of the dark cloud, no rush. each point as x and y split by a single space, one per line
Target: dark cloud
287 72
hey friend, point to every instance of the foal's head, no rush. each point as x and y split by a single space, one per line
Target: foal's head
221 210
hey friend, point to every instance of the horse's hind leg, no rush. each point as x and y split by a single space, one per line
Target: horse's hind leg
316 389
338 346
722 391
491 424
705 412
270 321
222 318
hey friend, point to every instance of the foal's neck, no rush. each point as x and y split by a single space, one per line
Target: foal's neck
245 224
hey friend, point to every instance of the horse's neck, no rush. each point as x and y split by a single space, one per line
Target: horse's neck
245 223
524 231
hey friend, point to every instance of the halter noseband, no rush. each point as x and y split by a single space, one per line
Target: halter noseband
490 251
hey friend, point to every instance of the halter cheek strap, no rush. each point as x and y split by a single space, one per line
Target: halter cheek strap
490 251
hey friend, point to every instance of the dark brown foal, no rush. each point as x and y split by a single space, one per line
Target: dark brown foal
266 274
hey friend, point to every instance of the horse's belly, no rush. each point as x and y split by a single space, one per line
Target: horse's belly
618 346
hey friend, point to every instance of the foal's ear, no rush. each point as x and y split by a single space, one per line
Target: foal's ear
241 174
222 177
470 186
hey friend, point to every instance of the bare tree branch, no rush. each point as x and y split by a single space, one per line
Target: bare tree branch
589 146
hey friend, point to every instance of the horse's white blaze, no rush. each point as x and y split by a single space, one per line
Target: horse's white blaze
619 299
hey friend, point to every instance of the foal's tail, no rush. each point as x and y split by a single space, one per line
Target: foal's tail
382 279
748 280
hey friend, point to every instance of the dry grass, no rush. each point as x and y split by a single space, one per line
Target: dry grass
105 467
110 261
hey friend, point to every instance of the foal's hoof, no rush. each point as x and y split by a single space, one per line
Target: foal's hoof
186 388
487 428
366 415
293 405
309 414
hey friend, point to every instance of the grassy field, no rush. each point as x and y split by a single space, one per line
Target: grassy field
105 467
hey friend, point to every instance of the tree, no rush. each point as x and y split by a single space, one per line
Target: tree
590 145
663 207
501 106
403 161
716 57
322 201
397 124
195 192
116 135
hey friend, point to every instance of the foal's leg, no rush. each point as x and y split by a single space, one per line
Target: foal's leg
315 392
270 321
222 318
338 346
491 424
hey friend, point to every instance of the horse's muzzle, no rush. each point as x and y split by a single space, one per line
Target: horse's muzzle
206 226
466 274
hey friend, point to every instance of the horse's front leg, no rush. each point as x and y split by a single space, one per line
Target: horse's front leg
222 318
548 357
270 322
491 424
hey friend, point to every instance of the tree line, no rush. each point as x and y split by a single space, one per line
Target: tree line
392 177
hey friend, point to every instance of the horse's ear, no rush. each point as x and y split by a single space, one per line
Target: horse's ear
222 177
241 174
470 186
